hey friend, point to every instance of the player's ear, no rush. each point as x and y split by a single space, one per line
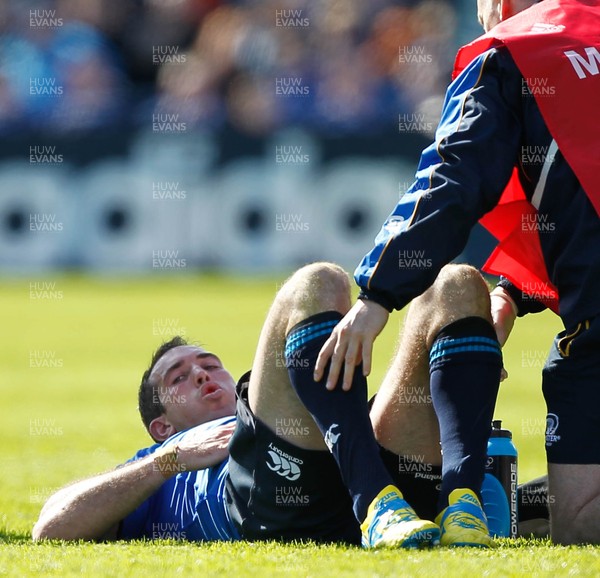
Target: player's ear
160 428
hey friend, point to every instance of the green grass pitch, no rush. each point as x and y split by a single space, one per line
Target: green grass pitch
72 351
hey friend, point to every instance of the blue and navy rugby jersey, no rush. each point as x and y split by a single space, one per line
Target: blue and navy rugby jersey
490 123
189 506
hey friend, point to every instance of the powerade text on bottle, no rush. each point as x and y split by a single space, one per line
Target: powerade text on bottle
499 489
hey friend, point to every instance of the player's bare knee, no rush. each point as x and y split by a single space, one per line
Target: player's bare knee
313 289
327 275
321 282
460 291
461 280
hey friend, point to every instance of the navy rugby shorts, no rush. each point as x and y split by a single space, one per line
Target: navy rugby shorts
571 385
278 491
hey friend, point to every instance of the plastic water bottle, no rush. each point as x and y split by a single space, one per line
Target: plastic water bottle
499 489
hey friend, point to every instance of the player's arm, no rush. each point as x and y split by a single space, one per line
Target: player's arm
460 177
504 312
508 303
91 509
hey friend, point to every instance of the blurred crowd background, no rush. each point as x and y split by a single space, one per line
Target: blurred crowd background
214 62
287 128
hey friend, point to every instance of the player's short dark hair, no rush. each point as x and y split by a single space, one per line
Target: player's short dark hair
149 404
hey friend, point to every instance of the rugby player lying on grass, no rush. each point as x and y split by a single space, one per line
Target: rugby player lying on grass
305 462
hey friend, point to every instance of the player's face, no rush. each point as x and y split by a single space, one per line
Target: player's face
488 13
193 386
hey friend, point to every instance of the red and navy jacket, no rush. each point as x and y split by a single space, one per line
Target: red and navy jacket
490 124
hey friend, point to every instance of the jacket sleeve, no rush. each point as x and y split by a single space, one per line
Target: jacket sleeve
460 177
525 304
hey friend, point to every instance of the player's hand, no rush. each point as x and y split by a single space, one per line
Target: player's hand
350 343
204 449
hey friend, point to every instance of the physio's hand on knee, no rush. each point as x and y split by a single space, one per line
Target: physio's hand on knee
350 343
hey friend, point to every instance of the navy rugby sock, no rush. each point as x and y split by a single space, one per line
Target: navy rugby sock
465 363
342 416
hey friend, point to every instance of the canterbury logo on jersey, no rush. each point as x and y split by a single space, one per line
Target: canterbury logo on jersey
283 464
